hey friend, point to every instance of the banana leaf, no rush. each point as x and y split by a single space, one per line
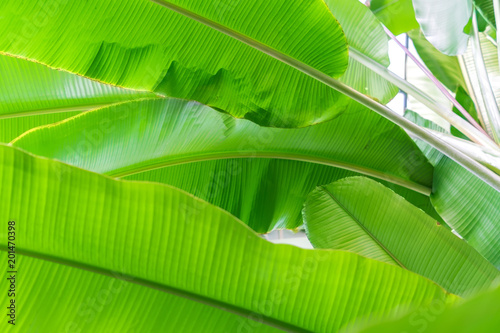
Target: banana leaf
166 239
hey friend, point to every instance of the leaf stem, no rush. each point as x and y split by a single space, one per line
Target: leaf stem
161 163
463 126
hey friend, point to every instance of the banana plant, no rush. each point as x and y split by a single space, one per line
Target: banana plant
145 145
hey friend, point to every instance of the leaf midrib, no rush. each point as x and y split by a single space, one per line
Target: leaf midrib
355 219
481 171
272 322
162 162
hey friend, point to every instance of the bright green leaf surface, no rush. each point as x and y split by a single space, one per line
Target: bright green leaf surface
33 95
10 128
469 206
397 15
137 137
61 298
264 193
29 88
365 34
142 45
360 215
479 314
103 225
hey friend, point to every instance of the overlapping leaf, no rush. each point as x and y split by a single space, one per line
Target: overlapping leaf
360 215
142 45
264 193
32 95
469 206
397 15
62 298
135 137
164 238
444 67
479 314
365 34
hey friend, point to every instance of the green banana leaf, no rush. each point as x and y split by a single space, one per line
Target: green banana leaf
54 297
443 23
469 206
11 128
194 250
141 136
152 133
466 203
397 15
29 88
432 154
366 35
358 214
143 45
479 314
264 193
33 95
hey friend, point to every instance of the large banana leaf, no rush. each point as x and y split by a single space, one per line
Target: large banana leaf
142 45
466 203
443 23
360 215
142 135
29 88
469 206
55 297
32 94
479 314
264 193
397 15
129 138
194 250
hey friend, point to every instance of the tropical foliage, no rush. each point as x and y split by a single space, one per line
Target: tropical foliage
146 146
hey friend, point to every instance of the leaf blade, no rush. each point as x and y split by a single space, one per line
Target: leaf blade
212 67
360 215
108 236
